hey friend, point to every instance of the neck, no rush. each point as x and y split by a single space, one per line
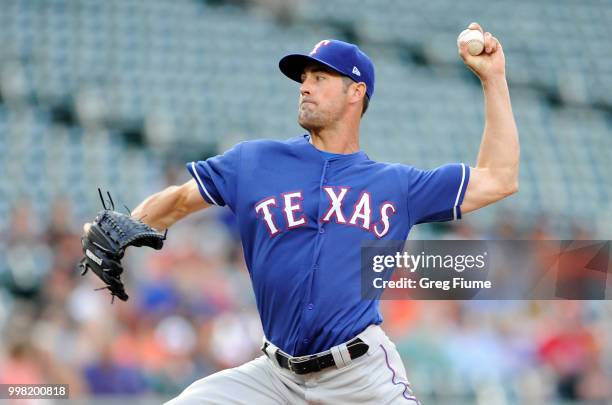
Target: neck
343 140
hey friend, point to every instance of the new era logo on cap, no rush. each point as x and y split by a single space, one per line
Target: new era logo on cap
343 57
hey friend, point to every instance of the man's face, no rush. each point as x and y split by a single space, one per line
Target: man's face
323 97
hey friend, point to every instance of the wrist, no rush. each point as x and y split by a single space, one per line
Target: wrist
494 79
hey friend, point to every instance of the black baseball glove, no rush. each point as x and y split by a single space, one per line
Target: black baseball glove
106 240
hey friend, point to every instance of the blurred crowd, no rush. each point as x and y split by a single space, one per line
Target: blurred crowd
192 313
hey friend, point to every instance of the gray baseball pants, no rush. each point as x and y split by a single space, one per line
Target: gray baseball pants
377 377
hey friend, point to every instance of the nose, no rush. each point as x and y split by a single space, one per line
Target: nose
304 90
305 87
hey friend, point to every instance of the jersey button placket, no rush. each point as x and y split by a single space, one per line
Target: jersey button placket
323 181
310 306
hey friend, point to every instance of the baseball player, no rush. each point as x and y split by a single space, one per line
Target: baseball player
303 207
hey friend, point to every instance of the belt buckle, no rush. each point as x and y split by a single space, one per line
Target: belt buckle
296 361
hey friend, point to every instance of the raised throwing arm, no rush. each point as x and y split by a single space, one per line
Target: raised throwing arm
495 175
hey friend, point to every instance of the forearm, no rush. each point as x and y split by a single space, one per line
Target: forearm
161 210
499 148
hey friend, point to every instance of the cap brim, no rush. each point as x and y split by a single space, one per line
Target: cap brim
293 65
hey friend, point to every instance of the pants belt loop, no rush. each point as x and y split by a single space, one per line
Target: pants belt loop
270 350
341 355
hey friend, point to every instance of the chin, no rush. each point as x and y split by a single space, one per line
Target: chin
305 122
310 122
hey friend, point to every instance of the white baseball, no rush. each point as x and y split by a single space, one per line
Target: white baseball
474 39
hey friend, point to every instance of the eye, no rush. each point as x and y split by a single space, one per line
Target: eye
320 77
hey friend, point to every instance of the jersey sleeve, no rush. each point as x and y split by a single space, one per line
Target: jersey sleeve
217 177
436 195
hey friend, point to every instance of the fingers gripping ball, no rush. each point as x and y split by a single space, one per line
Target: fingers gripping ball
105 241
474 39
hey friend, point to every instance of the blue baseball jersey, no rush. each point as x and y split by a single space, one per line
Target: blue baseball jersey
302 216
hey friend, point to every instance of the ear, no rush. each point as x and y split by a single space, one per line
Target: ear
358 91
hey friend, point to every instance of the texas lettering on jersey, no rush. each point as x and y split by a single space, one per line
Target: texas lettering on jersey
291 207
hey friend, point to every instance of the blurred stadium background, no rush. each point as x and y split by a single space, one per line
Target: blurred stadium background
119 94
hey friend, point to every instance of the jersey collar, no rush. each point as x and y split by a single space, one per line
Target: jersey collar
350 157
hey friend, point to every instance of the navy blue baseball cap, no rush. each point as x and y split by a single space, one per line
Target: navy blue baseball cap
342 57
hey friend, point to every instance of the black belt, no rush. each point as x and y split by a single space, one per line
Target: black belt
316 362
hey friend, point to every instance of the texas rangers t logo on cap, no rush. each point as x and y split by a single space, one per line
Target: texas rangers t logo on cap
318 45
